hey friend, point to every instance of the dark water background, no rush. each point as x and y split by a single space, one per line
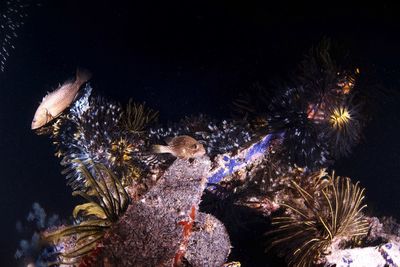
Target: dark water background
183 59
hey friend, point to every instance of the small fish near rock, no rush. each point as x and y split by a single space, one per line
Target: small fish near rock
183 147
54 103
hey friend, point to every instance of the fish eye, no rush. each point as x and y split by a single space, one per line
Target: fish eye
195 146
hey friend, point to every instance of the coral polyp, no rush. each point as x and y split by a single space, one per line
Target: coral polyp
344 128
340 117
315 221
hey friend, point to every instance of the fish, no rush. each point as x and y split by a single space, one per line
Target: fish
183 147
54 103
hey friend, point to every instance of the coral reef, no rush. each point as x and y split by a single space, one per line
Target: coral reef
269 164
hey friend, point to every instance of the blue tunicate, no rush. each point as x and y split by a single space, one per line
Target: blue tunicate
259 147
217 176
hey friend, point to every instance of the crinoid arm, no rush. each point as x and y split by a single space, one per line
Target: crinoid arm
318 219
136 117
107 201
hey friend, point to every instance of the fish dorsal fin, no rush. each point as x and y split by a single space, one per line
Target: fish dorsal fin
46 96
82 76
168 140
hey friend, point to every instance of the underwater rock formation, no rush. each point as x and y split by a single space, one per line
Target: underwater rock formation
147 209
157 230
209 237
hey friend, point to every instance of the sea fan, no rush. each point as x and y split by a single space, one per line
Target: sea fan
316 220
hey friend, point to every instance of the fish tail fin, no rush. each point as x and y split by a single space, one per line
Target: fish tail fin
82 76
158 149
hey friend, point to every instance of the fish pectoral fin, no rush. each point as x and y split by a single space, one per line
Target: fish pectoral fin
168 140
82 76
49 117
